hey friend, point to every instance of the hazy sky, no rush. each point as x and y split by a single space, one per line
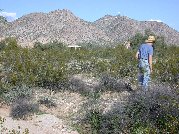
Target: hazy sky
166 11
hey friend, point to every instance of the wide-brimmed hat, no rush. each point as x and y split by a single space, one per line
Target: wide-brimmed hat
150 39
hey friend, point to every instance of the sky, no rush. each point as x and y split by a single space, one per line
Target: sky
166 11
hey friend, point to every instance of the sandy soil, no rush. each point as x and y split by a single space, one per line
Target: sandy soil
38 124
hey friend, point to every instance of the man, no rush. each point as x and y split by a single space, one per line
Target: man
144 55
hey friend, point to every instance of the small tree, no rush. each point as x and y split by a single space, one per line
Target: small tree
2 18
137 39
140 38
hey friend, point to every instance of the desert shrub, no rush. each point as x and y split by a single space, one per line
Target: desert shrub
3 19
31 66
95 120
55 63
17 92
98 123
92 123
11 43
140 38
2 45
50 45
108 82
150 112
137 39
22 108
48 102
153 112
166 68
124 63
36 67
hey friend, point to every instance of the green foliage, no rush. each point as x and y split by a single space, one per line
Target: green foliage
17 92
50 65
2 45
140 38
137 40
95 120
153 112
31 66
124 63
9 43
51 45
2 19
166 68
98 123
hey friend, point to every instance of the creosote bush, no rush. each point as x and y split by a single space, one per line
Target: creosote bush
22 108
17 92
31 67
153 112
48 102
98 123
51 65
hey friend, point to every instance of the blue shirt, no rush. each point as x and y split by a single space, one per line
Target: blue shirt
144 51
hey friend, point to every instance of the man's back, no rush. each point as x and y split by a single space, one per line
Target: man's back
144 51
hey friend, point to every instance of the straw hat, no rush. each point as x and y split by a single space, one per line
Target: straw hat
150 39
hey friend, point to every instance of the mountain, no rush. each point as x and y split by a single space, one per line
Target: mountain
121 28
61 25
64 26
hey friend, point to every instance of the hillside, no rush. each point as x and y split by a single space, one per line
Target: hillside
121 28
64 26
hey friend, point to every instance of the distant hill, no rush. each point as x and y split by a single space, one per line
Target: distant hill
64 26
120 28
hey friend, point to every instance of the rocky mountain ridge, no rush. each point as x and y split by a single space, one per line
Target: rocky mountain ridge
64 26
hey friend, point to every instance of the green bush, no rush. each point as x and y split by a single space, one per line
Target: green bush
153 112
95 120
50 65
48 102
98 123
55 63
166 68
17 92
51 45
22 108
31 67
3 19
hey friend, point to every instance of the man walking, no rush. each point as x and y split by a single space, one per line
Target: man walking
144 55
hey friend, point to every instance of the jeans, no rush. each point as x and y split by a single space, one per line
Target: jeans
144 73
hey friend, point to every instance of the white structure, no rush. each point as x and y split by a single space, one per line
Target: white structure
74 46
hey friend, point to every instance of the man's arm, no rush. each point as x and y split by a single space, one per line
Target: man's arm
150 62
137 55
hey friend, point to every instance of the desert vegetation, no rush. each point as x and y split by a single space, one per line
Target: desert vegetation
51 66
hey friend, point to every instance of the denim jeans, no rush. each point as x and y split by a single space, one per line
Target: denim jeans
144 73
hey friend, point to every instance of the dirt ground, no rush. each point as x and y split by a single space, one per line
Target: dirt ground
69 107
38 124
